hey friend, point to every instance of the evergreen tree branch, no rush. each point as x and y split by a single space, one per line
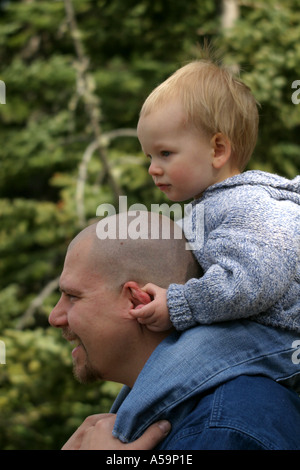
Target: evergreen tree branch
36 303
85 87
82 172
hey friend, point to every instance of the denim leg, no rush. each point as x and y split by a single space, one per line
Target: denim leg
186 364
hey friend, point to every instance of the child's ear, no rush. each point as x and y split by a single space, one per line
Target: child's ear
221 149
136 294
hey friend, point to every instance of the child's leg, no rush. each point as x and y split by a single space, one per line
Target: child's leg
187 364
226 350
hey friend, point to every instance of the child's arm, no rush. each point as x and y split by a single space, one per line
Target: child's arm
250 260
154 315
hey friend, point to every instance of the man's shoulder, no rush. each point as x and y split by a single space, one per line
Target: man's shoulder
240 415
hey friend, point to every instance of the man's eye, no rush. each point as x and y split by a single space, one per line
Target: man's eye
71 297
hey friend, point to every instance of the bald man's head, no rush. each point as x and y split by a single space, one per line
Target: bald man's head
102 282
154 251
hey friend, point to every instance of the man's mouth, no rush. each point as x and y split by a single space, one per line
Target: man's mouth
77 347
74 340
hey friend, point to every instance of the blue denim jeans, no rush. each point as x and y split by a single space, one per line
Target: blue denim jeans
197 360
246 413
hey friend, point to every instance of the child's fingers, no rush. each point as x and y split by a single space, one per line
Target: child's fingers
151 289
144 321
142 311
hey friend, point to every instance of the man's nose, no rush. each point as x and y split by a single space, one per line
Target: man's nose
155 169
58 317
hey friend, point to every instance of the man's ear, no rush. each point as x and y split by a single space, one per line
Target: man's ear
136 294
221 148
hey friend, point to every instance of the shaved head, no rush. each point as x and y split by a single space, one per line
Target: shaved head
158 254
102 281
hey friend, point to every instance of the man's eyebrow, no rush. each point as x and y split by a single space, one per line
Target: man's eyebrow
70 290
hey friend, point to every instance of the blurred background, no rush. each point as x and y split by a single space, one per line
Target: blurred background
76 74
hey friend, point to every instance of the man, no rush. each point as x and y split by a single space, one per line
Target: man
101 282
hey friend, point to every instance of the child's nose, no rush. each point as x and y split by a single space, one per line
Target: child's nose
155 169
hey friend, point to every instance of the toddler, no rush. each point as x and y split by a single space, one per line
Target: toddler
199 130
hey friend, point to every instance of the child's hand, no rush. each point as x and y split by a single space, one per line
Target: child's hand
154 315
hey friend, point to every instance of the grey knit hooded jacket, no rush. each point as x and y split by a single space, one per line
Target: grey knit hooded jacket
247 232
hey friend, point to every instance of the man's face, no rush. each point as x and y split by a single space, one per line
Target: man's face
92 315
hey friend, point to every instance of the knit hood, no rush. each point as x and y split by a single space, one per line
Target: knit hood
278 187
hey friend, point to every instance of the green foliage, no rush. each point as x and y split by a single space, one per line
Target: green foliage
40 402
45 132
268 52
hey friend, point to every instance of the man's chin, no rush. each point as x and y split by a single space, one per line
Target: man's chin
85 374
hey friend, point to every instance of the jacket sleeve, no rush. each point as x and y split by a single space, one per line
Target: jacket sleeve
249 261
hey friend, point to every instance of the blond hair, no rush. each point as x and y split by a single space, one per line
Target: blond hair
214 101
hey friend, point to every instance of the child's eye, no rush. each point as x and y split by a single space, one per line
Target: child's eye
166 153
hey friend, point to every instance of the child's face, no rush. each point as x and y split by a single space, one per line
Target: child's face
181 156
